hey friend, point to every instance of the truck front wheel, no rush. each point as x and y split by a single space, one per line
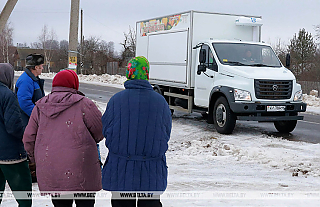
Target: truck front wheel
224 119
285 126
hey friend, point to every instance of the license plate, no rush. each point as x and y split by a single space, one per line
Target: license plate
276 108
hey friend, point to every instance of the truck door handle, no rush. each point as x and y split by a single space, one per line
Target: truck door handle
210 76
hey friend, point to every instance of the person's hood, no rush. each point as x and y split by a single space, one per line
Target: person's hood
60 99
6 74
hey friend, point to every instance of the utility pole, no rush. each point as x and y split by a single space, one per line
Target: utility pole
73 34
4 16
81 44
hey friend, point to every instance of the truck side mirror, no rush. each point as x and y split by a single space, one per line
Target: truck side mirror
201 68
288 60
202 56
202 59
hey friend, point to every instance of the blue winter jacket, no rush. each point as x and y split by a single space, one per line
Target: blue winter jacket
137 127
29 90
11 129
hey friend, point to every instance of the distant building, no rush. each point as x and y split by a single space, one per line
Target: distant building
21 55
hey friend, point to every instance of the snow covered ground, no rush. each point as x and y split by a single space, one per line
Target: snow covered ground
242 169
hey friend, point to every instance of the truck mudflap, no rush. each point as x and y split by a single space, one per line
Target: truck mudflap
268 112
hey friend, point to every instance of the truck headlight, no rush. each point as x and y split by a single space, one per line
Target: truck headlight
241 95
298 96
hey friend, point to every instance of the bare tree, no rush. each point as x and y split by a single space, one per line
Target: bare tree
36 45
25 45
129 46
281 50
97 55
90 49
5 42
48 41
60 56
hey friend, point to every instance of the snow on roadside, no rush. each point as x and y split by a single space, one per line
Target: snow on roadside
93 79
311 100
191 137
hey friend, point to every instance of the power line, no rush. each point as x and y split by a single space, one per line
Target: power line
103 24
42 12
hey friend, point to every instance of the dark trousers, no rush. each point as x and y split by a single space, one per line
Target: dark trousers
135 202
69 202
19 179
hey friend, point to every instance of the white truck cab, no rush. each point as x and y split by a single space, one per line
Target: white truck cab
216 64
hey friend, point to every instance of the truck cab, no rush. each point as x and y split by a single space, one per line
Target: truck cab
245 81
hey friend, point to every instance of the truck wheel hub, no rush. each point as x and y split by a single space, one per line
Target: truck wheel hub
221 115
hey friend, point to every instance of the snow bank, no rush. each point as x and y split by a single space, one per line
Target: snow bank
194 138
104 78
311 100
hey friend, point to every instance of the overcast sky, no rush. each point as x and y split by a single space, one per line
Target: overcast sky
108 19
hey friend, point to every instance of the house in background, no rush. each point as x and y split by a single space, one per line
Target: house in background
21 55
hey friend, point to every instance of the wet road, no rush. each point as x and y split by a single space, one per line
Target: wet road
307 130
95 92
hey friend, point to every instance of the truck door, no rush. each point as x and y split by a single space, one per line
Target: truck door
205 81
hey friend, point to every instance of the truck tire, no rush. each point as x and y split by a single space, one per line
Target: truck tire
285 126
204 115
224 119
157 89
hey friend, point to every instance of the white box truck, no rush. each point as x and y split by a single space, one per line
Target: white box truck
217 65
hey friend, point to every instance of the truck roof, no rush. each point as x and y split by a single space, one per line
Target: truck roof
194 11
235 41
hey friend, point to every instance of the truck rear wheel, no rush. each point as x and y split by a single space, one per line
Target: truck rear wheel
285 126
224 119
157 89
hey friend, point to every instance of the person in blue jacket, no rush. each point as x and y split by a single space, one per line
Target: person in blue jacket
13 158
29 87
137 126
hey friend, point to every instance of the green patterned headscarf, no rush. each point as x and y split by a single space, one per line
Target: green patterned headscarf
138 68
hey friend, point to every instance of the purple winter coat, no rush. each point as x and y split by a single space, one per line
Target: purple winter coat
61 138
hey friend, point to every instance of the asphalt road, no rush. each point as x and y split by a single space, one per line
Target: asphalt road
95 92
307 130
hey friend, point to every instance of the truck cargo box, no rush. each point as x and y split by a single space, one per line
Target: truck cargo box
168 41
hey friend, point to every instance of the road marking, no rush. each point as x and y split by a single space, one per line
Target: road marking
310 122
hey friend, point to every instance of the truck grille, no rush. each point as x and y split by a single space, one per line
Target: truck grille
273 89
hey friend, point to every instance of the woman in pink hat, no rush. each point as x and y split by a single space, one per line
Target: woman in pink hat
61 139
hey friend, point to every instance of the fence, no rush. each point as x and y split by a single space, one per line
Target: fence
112 68
308 86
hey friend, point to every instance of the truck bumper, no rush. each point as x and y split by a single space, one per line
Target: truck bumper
258 111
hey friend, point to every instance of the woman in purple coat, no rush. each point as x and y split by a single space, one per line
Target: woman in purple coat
61 138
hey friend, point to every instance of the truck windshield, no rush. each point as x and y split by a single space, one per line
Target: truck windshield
241 54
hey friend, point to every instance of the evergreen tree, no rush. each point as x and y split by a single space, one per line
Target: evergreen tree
303 49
